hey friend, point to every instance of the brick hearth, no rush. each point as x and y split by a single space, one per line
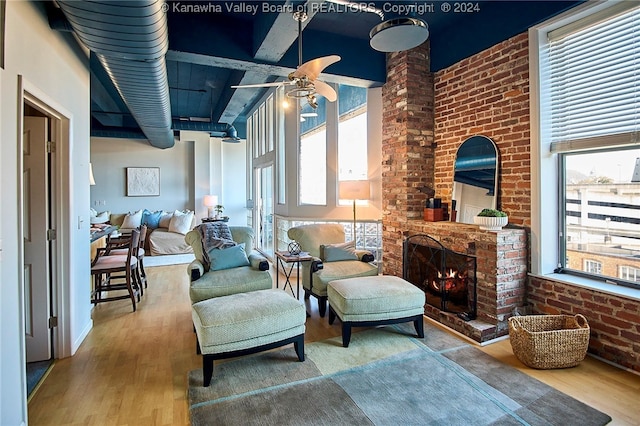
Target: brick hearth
501 274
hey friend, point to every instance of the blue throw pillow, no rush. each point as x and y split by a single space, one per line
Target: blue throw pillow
227 258
152 220
337 252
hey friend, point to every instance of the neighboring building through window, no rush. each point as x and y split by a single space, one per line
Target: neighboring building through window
630 273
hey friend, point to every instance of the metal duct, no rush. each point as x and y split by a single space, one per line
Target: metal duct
130 39
220 129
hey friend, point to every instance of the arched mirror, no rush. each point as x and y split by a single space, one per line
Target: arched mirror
475 178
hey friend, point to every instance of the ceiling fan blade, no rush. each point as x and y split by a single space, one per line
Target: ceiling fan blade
274 84
312 69
325 90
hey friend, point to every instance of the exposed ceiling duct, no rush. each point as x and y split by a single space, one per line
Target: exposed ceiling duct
130 40
223 130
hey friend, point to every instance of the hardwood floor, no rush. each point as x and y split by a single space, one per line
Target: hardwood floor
132 368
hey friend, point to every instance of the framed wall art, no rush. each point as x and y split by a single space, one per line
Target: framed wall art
143 181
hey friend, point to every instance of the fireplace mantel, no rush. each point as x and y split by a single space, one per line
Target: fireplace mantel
502 272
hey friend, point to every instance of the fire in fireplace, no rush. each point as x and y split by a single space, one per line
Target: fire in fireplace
448 278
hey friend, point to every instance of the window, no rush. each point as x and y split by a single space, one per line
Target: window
590 118
352 135
313 167
592 266
313 155
630 273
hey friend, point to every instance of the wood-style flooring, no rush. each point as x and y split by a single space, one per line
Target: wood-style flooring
132 368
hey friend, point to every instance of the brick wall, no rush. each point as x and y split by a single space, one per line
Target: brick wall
614 320
488 94
407 151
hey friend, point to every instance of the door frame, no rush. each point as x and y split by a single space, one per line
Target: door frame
60 120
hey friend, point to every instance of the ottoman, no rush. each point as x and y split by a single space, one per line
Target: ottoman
245 323
377 300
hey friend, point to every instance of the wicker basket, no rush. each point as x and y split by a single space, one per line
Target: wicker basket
549 341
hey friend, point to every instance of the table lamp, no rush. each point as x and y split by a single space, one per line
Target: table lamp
210 201
354 190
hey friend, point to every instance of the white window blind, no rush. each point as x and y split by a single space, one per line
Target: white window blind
595 82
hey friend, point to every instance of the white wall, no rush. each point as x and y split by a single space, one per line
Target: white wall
57 72
110 157
234 178
195 166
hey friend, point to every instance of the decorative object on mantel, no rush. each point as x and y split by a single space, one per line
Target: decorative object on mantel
433 215
491 220
434 211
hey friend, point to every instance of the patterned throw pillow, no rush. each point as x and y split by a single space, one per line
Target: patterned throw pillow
226 258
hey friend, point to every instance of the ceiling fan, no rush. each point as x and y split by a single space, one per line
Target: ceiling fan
305 78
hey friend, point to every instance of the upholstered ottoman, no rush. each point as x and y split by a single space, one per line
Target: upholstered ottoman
245 323
371 301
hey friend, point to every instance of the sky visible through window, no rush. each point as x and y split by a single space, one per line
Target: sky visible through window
616 165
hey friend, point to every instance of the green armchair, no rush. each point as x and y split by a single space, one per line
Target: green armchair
206 284
333 259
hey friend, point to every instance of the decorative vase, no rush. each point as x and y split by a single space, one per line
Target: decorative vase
490 223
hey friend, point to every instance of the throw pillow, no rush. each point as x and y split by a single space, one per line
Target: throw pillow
336 252
226 258
99 217
132 220
152 220
181 222
165 219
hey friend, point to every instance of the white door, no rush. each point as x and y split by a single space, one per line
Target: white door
36 246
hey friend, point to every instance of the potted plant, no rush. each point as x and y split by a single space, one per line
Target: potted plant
491 219
219 208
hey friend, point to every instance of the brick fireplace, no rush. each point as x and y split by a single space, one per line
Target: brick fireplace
486 94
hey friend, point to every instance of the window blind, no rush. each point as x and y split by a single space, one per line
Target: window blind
595 82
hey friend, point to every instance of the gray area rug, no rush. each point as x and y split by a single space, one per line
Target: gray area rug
385 377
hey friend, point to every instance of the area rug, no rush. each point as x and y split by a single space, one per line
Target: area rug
384 377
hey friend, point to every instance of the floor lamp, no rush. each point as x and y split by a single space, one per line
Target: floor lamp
354 190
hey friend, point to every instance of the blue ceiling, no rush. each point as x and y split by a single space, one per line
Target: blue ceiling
212 48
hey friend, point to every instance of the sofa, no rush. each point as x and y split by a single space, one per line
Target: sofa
166 230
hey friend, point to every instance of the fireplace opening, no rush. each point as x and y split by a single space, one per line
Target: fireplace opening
448 278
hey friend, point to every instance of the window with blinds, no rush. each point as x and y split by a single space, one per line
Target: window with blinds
594 80
590 84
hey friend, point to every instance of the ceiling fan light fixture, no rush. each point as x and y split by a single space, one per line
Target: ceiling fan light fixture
398 34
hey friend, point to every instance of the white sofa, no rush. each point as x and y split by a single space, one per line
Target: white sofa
162 237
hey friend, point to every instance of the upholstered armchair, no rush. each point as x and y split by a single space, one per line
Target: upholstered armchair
230 272
333 259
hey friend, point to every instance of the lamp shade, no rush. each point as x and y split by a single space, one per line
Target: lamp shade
92 181
354 190
210 200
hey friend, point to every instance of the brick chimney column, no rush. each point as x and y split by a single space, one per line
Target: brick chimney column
407 147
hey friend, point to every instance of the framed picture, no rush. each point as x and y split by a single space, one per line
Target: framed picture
143 181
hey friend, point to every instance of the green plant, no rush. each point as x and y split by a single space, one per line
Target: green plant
492 213
218 208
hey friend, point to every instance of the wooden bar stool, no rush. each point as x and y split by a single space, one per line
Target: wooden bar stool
108 268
